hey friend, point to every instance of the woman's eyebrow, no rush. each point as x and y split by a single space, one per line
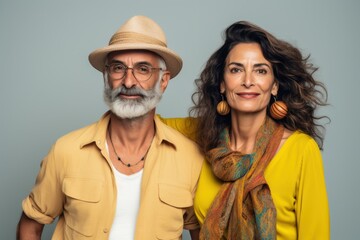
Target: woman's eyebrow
255 65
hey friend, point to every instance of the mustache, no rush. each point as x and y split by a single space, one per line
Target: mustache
129 91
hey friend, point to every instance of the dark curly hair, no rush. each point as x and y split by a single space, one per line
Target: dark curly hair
293 72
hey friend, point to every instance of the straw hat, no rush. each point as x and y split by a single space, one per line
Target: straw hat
138 33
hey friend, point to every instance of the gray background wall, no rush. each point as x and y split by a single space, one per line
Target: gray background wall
48 87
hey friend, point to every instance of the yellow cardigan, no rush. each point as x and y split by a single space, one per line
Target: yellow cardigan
296 180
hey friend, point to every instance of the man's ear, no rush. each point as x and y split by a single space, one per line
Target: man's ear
106 81
164 80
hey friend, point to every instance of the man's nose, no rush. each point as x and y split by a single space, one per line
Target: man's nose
129 79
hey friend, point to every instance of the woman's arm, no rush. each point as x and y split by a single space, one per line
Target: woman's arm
312 209
187 126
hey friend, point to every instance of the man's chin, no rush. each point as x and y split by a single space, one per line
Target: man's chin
131 116
129 112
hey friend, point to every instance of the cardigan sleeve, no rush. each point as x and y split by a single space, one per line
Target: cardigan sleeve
186 126
312 209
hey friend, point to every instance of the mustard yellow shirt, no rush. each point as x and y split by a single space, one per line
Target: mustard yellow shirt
296 180
76 184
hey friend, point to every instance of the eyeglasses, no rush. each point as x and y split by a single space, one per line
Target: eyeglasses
141 72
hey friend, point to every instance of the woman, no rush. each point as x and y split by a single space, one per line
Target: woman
263 178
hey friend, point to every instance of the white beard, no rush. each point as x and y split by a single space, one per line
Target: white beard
131 108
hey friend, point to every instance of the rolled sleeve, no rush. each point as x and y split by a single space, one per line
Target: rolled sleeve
32 211
45 202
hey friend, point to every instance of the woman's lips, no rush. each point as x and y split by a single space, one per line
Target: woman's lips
248 95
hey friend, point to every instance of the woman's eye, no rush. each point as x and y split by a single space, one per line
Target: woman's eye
235 70
261 71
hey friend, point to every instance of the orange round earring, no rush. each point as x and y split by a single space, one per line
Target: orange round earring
223 107
278 110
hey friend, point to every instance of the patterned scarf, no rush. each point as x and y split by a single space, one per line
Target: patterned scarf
243 208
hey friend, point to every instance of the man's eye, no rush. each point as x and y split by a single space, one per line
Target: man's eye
118 68
143 69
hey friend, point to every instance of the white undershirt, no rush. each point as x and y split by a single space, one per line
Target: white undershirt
127 205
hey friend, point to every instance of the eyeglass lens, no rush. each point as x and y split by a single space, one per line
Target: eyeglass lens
142 72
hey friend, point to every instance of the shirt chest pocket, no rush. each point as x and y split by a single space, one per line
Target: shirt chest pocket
82 205
173 202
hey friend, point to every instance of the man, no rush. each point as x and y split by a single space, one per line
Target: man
128 176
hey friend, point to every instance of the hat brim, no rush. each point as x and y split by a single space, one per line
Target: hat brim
172 60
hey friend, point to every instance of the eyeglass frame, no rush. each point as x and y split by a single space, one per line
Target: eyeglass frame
107 67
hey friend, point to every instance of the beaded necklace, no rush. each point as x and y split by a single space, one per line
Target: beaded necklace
118 158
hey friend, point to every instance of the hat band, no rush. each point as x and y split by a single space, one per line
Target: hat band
132 37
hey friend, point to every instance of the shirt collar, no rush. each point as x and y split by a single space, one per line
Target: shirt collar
164 134
97 133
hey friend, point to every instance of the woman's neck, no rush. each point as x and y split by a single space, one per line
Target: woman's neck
244 128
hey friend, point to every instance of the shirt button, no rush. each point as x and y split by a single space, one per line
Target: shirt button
106 230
